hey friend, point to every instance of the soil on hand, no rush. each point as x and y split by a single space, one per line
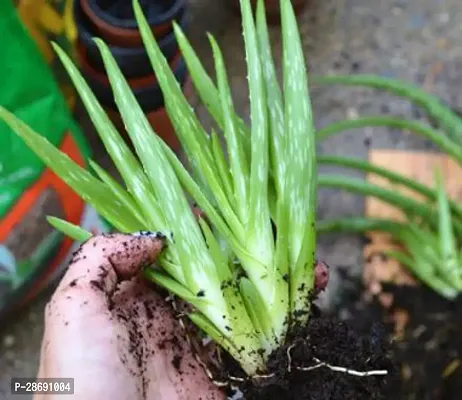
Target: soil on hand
325 360
426 334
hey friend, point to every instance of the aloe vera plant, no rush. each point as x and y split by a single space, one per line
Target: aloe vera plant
433 235
247 285
432 254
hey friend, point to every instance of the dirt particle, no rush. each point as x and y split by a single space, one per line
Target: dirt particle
149 313
176 361
96 285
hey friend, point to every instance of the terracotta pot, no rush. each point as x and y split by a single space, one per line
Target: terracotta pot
133 61
115 23
146 88
159 120
272 8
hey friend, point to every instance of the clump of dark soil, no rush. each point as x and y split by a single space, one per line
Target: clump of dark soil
325 360
426 334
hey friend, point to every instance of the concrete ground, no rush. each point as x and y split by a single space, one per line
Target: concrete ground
416 40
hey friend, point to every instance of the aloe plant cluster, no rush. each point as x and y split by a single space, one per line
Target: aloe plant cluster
432 236
247 284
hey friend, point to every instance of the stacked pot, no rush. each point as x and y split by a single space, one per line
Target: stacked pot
114 22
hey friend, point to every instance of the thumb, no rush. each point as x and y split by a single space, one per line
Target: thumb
99 265
105 260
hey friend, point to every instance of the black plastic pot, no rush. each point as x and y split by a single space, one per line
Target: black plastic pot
115 22
134 61
147 90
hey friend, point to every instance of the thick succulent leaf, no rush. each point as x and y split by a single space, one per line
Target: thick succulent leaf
221 262
422 243
118 191
88 187
391 176
222 167
248 361
123 158
207 90
73 231
273 99
191 134
259 233
174 287
410 206
447 242
445 143
278 209
191 249
193 137
193 189
359 225
300 190
237 159
425 272
174 270
256 309
443 116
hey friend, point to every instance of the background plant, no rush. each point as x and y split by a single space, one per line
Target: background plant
433 234
247 284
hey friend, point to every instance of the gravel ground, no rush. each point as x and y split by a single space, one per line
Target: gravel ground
416 40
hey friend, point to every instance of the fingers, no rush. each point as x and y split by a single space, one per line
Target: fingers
108 259
95 270
100 264
321 276
78 318
157 343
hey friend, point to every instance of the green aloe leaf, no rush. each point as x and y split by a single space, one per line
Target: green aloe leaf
219 258
73 231
256 309
118 191
440 113
222 167
193 138
89 188
425 272
174 287
448 145
300 181
409 206
203 323
171 198
274 98
238 162
207 90
447 243
260 234
391 176
194 190
123 158
359 225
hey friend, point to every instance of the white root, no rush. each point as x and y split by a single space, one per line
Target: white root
344 370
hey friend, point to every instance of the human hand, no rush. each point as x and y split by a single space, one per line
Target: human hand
115 336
